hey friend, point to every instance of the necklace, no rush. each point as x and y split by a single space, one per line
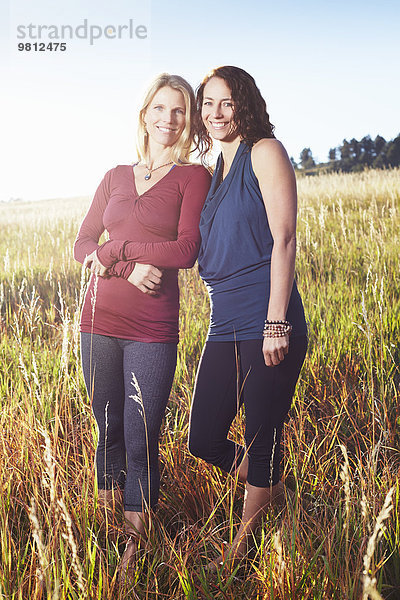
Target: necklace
150 171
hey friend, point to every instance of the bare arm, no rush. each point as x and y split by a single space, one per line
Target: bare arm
277 182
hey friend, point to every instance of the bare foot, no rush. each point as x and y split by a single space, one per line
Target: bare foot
128 561
230 557
257 501
215 565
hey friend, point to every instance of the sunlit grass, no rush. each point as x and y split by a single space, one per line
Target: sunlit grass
341 537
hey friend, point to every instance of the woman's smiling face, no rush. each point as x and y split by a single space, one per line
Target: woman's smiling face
217 110
165 117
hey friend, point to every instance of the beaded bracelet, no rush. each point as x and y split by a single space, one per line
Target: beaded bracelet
276 329
277 325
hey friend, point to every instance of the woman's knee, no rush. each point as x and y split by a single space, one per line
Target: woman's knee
110 425
201 446
197 446
141 451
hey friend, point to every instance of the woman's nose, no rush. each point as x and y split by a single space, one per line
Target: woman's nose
168 116
217 112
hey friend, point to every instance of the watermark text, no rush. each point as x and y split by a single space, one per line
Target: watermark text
85 31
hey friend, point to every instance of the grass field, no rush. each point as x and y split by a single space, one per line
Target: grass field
339 540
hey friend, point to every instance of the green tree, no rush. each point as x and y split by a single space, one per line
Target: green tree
379 145
355 150
344 150
367 150
306 159
346 157
332 154
393 152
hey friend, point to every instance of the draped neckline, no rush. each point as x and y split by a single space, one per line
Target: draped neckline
216 183
217 193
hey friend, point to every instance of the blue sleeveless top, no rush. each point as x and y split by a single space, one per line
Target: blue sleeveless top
235 255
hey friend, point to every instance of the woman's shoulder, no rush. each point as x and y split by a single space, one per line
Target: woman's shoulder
267 147
124 168
119 170
194 167
268 151
189 171
116 176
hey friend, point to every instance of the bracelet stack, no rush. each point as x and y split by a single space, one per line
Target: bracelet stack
274 329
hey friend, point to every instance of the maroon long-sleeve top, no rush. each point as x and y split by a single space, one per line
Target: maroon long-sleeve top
159 227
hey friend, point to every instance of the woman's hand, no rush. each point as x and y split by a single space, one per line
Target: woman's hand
275 350
146 278
95 265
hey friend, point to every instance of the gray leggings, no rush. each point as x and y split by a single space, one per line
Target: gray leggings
128 421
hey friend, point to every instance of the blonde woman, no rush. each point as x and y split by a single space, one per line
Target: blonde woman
129 323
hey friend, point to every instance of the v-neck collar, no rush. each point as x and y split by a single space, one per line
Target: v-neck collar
152 186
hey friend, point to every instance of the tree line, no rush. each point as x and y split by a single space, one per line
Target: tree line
354 155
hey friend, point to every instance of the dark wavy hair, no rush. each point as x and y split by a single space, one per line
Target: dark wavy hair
250 110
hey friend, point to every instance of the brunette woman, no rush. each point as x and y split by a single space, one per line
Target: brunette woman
257 338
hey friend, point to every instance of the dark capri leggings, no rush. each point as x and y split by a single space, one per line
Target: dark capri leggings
234 373
127 454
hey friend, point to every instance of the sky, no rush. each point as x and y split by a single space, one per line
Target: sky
327 69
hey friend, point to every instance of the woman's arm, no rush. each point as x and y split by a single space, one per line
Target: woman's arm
86 243
92 225
146 277
176 254
122 268
277 182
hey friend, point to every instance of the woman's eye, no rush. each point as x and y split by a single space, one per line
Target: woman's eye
206 103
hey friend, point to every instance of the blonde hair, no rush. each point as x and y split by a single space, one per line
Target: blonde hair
182 148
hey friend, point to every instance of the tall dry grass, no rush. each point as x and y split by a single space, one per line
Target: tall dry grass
340 539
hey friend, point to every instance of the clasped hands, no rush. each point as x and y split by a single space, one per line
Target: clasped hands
146 278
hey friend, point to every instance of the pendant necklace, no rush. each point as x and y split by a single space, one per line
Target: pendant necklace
150 171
